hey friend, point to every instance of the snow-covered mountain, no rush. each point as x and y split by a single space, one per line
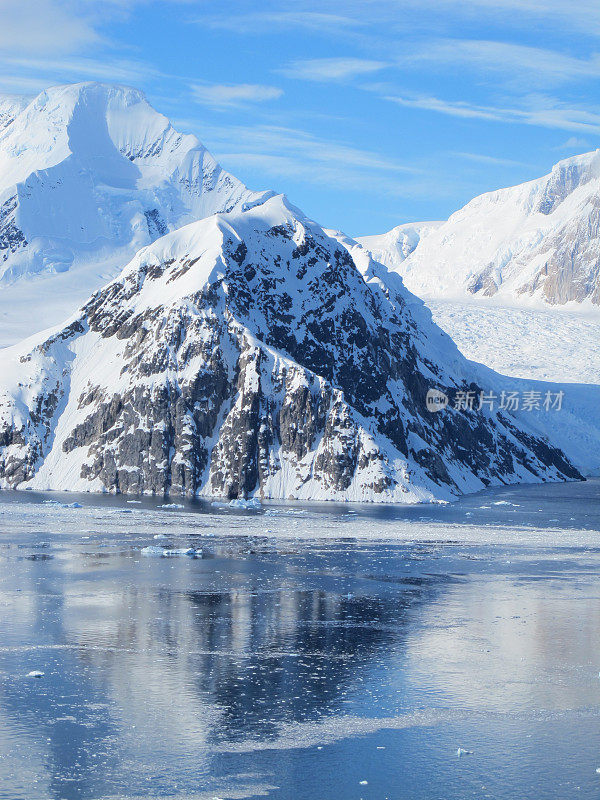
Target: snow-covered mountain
393 247
10 108
89 173
250 352
539 241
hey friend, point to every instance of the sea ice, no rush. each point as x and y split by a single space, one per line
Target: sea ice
253 502
153 550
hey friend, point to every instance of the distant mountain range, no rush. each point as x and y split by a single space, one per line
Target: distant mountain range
539 241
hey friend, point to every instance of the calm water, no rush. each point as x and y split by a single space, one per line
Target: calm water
311 653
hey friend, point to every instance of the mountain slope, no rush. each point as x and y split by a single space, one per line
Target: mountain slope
252 353
10 108
393 247
537 241
89 173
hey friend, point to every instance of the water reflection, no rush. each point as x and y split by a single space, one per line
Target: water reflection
279 669
150 663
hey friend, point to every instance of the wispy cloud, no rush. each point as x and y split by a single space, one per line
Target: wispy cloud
522 65
302 144
222 96
381 16
332 69
541 111
584 15
44 27
574 143
481 158
37 74
284 152
266 21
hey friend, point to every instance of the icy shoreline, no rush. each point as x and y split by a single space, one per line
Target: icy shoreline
517 515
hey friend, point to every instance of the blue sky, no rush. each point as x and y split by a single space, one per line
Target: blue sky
366 114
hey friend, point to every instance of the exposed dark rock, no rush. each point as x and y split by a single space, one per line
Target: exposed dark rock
288 373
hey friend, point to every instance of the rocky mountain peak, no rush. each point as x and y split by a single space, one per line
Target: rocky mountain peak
251 353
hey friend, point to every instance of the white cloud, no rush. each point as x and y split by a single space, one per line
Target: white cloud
377 17
38 73
574 143
582 15
306 147
266 21
480 158
523 65
44 27
542 111
233 95
332 69
284 152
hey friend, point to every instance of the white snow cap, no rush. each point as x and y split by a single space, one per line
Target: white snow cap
89 173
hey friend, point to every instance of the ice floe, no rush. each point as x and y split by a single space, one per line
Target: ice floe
154 550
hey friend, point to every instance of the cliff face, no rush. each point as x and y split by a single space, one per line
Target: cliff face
250 353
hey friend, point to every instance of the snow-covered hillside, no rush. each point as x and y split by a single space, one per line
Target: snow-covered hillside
89 173
248 353
393 247
530 350
10 107
536 242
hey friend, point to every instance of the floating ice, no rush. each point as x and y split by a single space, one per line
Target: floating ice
58 504
35 673
462 752
253 502
154 550
172 505
364 783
